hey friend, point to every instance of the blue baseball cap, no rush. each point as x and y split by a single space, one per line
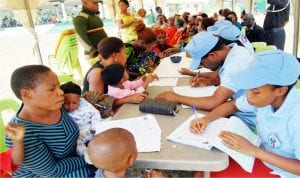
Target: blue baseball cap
225 29
273 67
199 46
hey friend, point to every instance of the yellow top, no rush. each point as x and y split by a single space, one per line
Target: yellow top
129 33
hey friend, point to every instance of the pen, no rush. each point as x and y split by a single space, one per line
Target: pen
195 115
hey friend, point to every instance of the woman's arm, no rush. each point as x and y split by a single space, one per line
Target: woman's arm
95 80
134 99
240 144
122 25
224 110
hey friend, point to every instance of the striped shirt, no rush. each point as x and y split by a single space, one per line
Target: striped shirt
49 150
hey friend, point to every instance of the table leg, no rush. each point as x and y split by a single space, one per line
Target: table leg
206 174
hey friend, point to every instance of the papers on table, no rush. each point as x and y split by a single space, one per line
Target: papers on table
164 82
183 135
209 138
145 130
194 92
167 68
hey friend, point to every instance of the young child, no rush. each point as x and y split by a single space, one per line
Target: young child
82 112
10 159
112 157
119 86
270 81
140 15
162 49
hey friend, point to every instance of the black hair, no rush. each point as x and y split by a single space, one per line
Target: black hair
220 11
112 74
109 45
71 87
27 77
289 87
204 15
206 22
125 2
227 42
229 13
220 45
243 12
157 8
225 12
165 18
180 23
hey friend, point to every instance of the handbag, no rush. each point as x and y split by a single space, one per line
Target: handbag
102 102
156 106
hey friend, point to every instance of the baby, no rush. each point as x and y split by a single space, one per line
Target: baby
119 86
82 112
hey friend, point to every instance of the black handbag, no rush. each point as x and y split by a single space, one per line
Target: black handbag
156 106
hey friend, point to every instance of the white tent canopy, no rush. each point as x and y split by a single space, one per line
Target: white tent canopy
25 11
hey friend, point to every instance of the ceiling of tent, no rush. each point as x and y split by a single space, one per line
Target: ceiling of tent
19 5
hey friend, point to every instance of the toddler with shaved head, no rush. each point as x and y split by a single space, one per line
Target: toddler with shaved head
113 151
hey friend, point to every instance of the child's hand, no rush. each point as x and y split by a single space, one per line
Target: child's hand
186 71
136 98
150 78
15 131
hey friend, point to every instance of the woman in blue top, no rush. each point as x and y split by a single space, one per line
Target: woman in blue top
51 135
272 92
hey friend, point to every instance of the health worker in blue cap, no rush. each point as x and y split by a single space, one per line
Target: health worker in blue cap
231 35
210 51
273 91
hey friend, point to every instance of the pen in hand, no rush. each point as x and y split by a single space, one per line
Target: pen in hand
195 115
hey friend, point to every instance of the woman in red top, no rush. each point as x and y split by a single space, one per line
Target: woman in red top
170 30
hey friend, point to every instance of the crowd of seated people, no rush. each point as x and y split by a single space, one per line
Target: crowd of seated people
124 70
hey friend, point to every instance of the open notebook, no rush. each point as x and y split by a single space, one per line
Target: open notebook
209 138
145 130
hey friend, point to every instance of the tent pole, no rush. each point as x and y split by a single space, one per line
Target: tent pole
63 9
27 5
142 3
296 13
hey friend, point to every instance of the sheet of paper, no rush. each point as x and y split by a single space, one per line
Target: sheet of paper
237 126
164 82
183 135
167 68
194 92
145 130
